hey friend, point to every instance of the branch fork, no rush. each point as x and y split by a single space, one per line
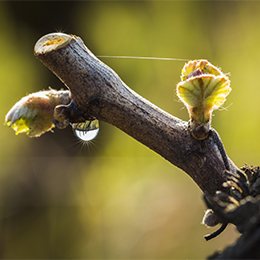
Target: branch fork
97 92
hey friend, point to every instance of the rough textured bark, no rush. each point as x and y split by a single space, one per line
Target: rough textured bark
98 92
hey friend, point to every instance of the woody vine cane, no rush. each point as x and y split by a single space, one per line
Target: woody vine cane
97 93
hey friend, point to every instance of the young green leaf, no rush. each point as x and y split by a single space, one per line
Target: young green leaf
203 89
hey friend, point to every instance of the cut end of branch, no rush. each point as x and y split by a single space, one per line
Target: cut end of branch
51 42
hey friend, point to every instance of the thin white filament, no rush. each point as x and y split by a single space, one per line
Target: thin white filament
140 58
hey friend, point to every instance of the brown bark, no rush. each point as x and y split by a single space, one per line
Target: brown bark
98 92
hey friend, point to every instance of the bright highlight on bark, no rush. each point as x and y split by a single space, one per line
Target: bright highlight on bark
33 113
203 89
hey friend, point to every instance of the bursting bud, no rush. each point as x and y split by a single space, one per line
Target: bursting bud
203 89
33 113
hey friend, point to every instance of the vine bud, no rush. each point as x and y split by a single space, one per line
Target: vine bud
33 113
203 89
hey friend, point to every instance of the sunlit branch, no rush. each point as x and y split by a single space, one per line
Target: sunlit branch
97 92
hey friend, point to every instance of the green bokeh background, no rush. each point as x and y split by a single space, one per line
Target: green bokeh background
114 198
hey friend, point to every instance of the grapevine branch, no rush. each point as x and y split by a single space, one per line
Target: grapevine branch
97 92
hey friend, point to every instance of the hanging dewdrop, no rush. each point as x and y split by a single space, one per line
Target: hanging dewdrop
203 89
86 131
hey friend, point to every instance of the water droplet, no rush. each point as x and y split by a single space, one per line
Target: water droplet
86 131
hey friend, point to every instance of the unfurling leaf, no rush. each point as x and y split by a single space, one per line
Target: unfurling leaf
203 88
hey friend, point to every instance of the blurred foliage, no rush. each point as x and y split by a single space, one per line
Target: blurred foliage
63 199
